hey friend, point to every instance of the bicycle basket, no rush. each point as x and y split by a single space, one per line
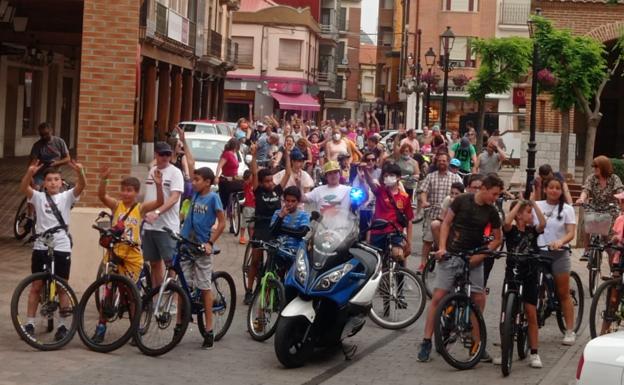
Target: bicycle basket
597 223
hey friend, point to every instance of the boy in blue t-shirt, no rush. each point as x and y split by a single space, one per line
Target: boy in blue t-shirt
205 210
290 224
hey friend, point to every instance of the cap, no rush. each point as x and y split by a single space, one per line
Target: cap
465 142
260 126
330 166
240 135
296 154
162 147
455 162
435 128
619 196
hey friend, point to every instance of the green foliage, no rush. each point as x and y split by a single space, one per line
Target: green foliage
618 167
578 62
501 62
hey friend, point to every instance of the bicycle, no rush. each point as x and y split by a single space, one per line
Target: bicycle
234 211
608 310
400 291
112 303
55 298
154 337
458 320
26 218
598 225
269 296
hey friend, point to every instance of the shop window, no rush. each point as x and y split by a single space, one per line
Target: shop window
290 54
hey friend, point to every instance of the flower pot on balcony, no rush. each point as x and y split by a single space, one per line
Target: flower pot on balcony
460 80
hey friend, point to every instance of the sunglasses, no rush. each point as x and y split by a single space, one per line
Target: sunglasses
369 160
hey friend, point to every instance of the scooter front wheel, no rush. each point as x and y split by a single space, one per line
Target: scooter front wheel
290 347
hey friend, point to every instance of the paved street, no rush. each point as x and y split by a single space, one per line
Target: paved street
382 357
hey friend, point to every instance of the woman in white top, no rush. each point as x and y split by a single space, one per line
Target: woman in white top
559 231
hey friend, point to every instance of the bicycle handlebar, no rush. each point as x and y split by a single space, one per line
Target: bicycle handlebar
180 239
116 237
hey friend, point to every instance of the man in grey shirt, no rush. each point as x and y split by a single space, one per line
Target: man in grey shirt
490 160
49 150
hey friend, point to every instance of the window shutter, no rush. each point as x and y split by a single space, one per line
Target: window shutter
290 53
245 49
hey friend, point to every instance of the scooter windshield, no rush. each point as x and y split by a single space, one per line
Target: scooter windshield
333 236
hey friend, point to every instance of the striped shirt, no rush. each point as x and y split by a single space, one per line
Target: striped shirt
437 186
294 221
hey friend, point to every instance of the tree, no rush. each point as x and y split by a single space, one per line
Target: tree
580 66
501 62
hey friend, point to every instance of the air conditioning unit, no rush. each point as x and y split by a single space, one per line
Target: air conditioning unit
345 61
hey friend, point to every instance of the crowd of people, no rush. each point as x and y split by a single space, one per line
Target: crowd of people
296 166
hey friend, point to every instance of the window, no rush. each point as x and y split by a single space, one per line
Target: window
31 81
367 85
338 93
386 38
340 52
461 55
179 6
342 19
387 4
460 5
290 54
245 50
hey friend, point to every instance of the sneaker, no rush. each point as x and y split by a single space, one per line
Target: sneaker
425 351
61 333
485 357
569 338
208 341
242 240
535 361
100 332
258 325
29 329
497 360
583 258
248 297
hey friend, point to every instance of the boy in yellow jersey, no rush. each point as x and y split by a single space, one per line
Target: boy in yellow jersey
128 214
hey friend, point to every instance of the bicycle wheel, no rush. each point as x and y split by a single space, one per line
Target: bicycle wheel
522 334
607 310
159 334
234 212
57 301
508 332
595 259
578 301
223 305
454 331
107 321
399 300
429 276
23 224
266 306
247 260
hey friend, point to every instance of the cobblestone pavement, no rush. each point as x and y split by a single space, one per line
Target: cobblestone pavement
383 356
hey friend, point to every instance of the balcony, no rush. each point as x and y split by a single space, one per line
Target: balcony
167 28
386 18
513 13
326 81
329 31
231 58
215 43
232 5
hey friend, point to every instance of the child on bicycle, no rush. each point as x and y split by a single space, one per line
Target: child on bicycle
249 208
52 208
521 237
290 224
205 210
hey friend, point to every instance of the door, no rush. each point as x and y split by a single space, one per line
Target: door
66 109
10 119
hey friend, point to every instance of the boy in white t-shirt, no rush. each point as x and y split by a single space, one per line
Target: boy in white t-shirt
47 220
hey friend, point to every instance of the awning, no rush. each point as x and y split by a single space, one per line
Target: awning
301 102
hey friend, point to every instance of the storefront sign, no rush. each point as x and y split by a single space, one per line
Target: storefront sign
519 98
286 88
239 95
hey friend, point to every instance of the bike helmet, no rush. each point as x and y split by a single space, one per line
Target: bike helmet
455 163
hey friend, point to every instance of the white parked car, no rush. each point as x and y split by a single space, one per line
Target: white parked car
207 149
602 361
207 127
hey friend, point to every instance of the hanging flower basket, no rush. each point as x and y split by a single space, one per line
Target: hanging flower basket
460 80
546 79
429 78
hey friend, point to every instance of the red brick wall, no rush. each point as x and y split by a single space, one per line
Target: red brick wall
353 53
601 21
107 90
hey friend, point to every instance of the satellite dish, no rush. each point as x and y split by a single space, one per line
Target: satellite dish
314 90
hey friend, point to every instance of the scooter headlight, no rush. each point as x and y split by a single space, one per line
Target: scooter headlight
329 279
301 272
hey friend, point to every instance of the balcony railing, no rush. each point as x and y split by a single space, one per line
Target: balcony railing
328 29
514 13
232 52
215 41
161 21
327 79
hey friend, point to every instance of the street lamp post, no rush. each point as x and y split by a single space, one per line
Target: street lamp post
448 39
532 123
430 58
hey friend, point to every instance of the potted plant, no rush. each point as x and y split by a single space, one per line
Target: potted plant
460 80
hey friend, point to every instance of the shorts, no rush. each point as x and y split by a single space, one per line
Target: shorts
560 261
198 273
530 288
262 230
447 270
228 187
427 234
129 267
248 214
157 246
40 261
